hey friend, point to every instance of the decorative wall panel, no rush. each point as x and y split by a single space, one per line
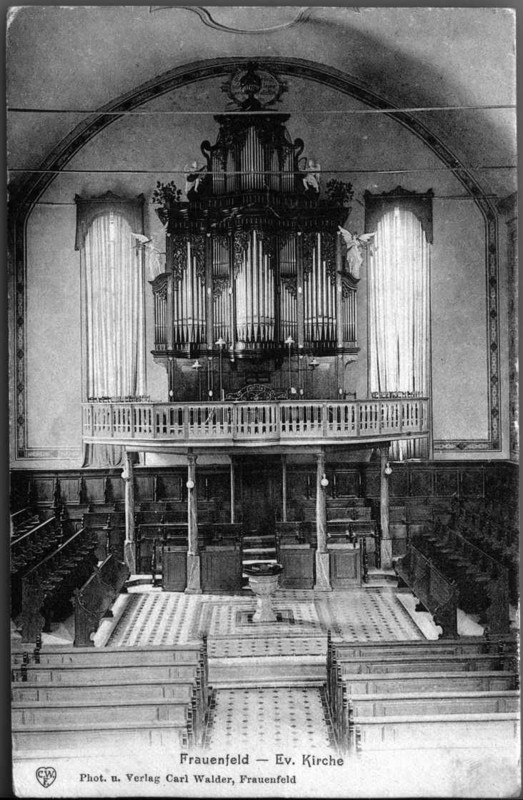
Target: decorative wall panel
421 483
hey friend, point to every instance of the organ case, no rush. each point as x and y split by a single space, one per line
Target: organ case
253 256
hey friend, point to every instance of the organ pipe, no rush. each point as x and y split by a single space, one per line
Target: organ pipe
250 254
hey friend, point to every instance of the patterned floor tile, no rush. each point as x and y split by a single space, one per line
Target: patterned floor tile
156 617
266 720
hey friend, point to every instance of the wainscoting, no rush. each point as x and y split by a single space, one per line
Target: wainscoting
426 481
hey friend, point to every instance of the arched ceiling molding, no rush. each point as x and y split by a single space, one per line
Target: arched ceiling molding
33 187
29 191
207 19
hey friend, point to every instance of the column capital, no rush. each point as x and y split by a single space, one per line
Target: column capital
320 458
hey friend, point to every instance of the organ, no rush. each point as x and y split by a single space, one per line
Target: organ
253 256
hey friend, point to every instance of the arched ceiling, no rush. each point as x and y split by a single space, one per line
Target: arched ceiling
83 58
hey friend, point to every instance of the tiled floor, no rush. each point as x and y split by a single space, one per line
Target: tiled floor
155 617
151 616
267 719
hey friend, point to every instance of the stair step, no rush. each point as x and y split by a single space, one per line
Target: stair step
252 550
254 540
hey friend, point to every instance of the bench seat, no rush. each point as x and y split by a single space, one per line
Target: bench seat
116 656
63 714
101 738
388 705
481 662
462 646
414 683
437 731
75 693
38 673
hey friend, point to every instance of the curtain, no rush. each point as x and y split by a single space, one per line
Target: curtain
115 325
399 308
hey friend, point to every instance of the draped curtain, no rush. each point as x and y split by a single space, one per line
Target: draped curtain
399 308
113 268
115 310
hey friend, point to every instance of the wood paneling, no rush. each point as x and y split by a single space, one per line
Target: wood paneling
298 566
472 483
421 483
344 567
143 487
169 487
346 483
446 482
399 482
221 569
174 568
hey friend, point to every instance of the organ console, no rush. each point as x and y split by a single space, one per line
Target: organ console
253 255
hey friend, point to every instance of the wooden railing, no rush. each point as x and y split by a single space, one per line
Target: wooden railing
226 423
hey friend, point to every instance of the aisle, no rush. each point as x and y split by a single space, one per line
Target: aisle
269 720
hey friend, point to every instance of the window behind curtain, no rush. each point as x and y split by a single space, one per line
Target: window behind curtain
114 301
399 313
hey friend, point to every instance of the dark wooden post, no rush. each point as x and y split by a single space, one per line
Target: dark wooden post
193 553
322 555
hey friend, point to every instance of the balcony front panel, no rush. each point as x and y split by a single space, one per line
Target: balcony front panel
214 425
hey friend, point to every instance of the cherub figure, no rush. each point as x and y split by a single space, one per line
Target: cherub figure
355 245
152 254
194 175
312 176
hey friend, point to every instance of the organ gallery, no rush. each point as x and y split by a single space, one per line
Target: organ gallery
263 399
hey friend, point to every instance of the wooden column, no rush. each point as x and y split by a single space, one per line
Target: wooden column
129 544
233 494
284 488
193 554
386 543
322 556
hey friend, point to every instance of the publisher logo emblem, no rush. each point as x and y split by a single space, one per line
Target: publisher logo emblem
45 776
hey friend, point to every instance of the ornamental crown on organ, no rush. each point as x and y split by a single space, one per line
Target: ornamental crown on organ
253 257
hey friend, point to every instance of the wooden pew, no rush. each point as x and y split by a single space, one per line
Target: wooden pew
59 655
95 598
150 539
23 520
162 693
49 585
433 732
83 674
461 646
385 705
30 547
103 738
421 682
435 591
104 692
60 715
423 662
482 581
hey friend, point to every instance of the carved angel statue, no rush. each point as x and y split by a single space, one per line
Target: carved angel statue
312 176
194 175
355 245
153 262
